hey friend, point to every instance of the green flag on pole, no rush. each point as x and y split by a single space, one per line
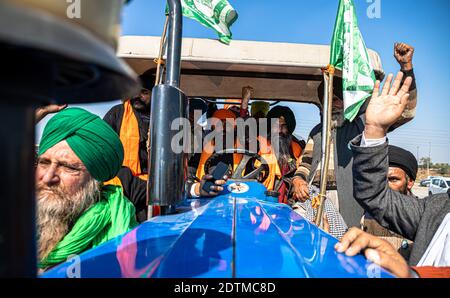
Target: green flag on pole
216 14
349 54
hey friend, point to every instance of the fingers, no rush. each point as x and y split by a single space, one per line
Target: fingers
359 244
397 83
304 193
404 47
220 182
375 249
216 189
207 177
355 240
396 266
387 85
396 45
62 107
301 193
347 239
401 47
376 89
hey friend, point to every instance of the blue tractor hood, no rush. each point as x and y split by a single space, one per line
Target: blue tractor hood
236 234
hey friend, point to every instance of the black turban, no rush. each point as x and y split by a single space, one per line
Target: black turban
288 115
197 104
403 159
147 79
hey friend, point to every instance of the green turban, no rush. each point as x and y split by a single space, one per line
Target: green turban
95 143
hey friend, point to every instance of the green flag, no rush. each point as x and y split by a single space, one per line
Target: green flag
216 14
349 54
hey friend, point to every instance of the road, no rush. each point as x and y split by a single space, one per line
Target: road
420 191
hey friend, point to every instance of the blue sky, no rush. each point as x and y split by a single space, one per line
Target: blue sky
424 24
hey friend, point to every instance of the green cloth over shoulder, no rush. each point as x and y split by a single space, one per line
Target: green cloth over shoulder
112 216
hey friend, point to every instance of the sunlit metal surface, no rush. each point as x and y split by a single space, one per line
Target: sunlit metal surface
232 235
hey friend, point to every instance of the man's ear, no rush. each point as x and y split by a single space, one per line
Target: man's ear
410 183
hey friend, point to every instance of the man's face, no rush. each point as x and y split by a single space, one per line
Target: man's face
282 128
337 104
59 167
399 181
64 190
337 112
142 101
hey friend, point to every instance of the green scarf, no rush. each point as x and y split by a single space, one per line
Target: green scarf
112 216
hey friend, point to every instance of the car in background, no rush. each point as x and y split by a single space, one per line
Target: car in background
439 185
424 182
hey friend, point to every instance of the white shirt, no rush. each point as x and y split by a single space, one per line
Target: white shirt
438 252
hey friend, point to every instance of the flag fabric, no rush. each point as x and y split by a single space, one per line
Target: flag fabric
216 14
349 54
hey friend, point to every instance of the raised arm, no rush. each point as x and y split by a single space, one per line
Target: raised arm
404 53
400 213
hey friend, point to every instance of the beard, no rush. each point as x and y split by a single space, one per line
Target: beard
337 118
139 105
57 212
404 189
284 149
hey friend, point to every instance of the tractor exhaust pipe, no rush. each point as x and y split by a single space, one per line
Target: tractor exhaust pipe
167 169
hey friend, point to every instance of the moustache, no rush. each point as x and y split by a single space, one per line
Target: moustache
138 99
56 191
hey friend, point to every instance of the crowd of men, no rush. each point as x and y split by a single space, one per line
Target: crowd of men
91 174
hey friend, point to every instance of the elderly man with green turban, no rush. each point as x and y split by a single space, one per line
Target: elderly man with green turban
75 211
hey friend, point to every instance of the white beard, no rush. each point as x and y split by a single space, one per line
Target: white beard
57 212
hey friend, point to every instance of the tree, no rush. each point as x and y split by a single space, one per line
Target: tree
424 162
443 168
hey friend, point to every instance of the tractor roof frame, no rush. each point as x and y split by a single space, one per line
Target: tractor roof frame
210 69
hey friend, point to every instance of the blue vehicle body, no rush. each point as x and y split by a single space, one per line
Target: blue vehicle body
233 235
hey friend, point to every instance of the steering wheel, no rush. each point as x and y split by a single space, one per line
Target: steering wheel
238 173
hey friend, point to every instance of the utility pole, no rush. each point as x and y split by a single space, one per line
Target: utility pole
429 158
417 156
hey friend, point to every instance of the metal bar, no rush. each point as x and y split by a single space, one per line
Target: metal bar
174 46
326 127
17 212
237 103
251 74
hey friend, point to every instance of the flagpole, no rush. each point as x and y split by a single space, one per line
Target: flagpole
328 74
